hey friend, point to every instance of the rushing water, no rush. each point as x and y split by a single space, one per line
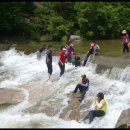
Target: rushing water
17 68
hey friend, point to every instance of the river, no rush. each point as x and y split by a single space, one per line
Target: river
18 68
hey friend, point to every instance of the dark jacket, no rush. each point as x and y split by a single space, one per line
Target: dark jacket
91 51
41 49
85 83
77 61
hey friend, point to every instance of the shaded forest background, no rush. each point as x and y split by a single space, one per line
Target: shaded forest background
47 21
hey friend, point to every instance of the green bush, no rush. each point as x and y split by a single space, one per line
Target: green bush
35 36
64 38
78 32
90 34
46 38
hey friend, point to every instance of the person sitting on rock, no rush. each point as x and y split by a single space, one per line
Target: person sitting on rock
100 107
83 87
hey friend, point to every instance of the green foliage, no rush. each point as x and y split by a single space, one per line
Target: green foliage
46 38
64 39
91 20
57 27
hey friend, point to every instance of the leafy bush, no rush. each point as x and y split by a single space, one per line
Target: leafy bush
46 38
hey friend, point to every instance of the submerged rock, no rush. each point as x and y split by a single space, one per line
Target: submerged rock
124 119
10 96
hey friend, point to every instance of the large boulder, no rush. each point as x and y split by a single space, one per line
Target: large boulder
124 119
74 37
10 96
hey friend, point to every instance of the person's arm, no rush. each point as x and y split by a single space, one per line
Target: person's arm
86 84
98 46
93 106
60 60
47 58
100 105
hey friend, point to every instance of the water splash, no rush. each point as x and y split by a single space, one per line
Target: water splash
19 69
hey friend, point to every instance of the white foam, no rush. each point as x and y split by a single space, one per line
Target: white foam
23 68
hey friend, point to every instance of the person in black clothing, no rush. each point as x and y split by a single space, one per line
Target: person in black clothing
76 60
99 108
41 49
83 87
49 61
90 52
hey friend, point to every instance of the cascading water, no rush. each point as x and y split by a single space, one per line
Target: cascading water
17 70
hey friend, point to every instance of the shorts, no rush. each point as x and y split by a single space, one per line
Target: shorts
49 66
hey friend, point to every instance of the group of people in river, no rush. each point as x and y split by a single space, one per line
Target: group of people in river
67 54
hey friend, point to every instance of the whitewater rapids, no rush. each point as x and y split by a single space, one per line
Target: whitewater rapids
17 68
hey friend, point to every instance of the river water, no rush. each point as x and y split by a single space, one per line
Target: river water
17 68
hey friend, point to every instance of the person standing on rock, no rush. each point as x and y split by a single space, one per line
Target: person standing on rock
69 52
83 87
125 41
96 48
90 52
62 60
49 61
100 108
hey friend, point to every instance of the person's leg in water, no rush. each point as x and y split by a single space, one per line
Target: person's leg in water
86 59
49 65
69 58
62 68
83 94
127 48
123 48
95 113
86 117
77 87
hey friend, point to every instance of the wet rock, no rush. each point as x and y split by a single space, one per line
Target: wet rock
100 69
10 96
74 110
74 115
75 37
52 105
110 62
124 119
4 47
